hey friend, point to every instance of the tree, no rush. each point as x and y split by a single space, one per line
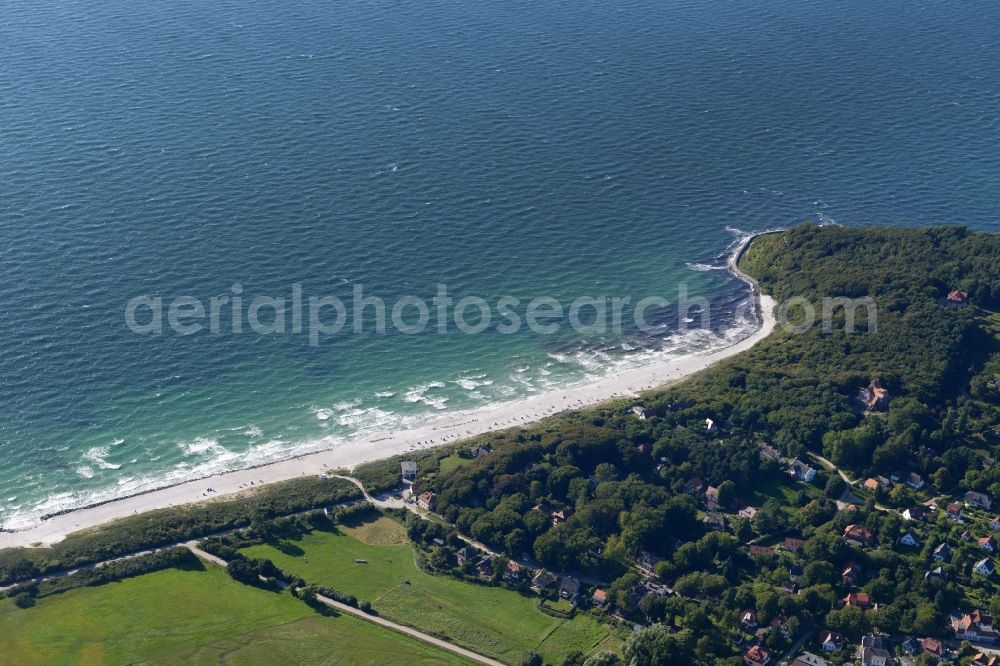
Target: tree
849 620
727 493
531 659
620 592
812 514
834 486
769 518
605 472
24 600
658 646
243 571
927 621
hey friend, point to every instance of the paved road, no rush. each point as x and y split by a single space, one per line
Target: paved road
413 633
794 650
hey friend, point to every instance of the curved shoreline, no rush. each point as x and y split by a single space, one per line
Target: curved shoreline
441 430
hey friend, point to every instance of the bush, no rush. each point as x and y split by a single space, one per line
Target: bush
337 595
220 550
24 600
531 659
251 572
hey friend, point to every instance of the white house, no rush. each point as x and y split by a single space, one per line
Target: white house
875 651
943 552
984 567
831 641
802 471
909 539
643 413
978 500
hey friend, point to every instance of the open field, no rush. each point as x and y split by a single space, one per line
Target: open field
497 622
380 532
784 490
452 462
196 617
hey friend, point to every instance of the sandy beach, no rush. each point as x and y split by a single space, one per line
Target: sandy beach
445 429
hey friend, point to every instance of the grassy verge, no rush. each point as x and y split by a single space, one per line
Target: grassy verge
196 617
493 621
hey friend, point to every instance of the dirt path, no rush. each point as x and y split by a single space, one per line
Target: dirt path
444 645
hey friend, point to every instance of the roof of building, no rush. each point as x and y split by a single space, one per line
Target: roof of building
809 659
857 599
932 645
857 532
569 584
831 637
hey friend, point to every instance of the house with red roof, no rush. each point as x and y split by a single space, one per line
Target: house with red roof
858 535
756 656
874 397
858 600
957 298
974 626
931 646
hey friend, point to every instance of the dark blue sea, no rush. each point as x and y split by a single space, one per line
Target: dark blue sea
511 148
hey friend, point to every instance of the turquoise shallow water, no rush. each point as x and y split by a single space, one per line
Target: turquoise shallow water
528 149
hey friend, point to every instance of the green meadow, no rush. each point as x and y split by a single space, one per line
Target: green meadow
196 617
497 622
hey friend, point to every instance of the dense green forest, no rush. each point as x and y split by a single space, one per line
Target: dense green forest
628 481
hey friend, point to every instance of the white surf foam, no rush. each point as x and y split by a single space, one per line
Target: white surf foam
701 268
97 456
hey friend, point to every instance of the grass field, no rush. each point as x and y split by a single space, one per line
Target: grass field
493 621
196 617
452 462
783 489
